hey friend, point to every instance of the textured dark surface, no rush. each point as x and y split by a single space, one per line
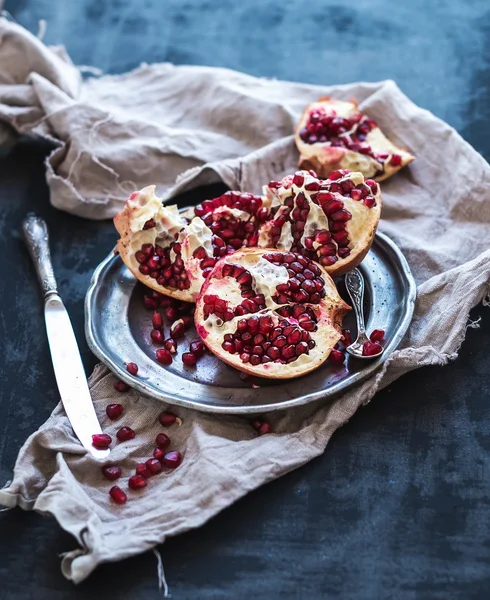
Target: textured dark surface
398 507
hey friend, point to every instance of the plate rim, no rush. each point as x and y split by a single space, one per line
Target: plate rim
315 396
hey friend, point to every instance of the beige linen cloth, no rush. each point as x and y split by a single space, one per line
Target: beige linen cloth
192 125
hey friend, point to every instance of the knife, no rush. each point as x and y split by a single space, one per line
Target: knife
67 362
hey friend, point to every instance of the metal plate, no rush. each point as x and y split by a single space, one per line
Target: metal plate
117 327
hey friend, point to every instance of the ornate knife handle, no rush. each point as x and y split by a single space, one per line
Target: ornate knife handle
354 283
36 238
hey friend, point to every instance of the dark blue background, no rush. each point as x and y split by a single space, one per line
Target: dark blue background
399 505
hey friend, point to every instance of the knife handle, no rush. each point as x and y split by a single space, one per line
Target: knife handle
36 238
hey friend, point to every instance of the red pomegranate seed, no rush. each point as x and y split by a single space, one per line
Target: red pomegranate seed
162 441
101 441
189 359
120 386
111 472
118 495
114 411
157 320
347 337
177 329
377 335
197 348
137 482
172 460
171 345
158 453
142 469
132 368
171 313
396 160
149 302
125 434
336 357
156 336
154 465
371 348
265 428
163 356
167 418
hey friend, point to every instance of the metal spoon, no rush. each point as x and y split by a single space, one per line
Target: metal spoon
354 283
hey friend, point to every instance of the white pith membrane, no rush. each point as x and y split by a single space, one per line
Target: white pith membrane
250 278
353 141
331 221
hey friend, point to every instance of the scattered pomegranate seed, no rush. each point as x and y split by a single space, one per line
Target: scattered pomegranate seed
377 335
167 418
396 160
156 336
125 434
132 368
157 320
114 411
371 348
158 453
189 359
118 495
172 460
137 482
154 465
164 357
197 348
149 302
101 441
336 357
142 470
120 386
171 345
347 337
111 472
171 313
162 441
265 428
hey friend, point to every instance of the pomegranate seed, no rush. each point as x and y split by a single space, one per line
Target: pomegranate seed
189 359
125 434
172 460
157 336
371 348
154 465
142 470
197 348
396 160
347 337
132 368
118 495
120 386
177 329
101 441
149 302
114 411
158 453
377 335
256 423
157 320
167 418
265 428
111 472
137 482
336 357
171 313
162 441
163 356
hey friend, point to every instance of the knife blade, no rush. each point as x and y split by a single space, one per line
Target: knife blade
65 355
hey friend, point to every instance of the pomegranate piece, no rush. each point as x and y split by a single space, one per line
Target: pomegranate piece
111 472
172 460
163 356
137 482
292 335
333 135
143 471
167 418
377 335
121 386
114 411
132 368
189 359
101 441
154 465
336 358
371 348
162 440
117 495
125 434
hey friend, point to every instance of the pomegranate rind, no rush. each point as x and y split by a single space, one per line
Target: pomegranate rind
361 228
324 158
169 225
329 312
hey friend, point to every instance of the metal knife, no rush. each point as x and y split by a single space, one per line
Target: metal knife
67 363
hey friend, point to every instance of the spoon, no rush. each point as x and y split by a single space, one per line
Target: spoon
354 283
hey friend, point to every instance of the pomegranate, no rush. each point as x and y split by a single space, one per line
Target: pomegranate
143 471
268 313
167 418
158 453
132 368
371 348
377 335
121 386
154 466
101 441
333 134
125 434
111 472
172 460
118 495
332 221
137 482
114 411
162 441
172 253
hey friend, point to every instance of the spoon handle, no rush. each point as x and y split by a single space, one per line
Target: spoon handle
354 283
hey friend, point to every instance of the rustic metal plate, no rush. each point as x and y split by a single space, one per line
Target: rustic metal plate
117 327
